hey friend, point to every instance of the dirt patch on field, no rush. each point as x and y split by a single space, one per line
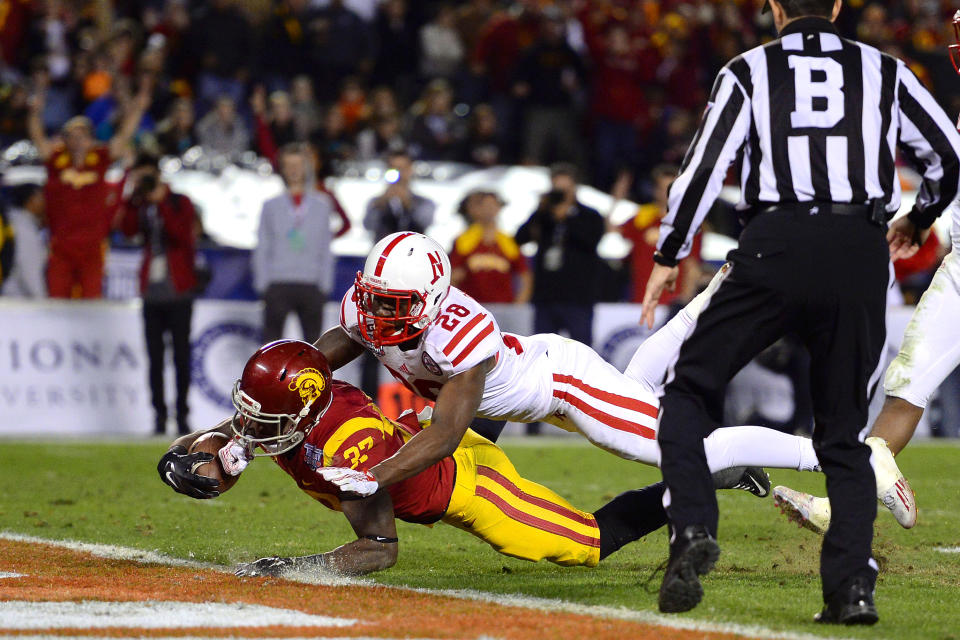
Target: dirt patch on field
54 574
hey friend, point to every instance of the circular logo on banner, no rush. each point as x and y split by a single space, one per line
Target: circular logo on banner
619 345
218 356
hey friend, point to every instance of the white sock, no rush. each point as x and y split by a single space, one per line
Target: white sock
758 447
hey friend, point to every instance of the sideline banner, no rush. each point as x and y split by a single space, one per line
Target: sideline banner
80 368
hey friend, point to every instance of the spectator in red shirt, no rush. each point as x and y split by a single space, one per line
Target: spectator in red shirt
643 230
80 203
485 261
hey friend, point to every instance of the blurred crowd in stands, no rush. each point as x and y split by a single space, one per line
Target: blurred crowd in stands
612 88
605 92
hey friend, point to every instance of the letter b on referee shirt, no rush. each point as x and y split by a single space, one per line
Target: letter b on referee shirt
816 78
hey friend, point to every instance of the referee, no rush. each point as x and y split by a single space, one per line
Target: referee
817 118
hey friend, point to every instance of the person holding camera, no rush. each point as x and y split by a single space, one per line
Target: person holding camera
398 208
566 266
168 226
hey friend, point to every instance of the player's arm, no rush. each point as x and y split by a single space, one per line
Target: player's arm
374 549
453 412
338 347
176 465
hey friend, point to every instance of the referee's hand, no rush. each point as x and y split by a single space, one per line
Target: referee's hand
905 238
661 278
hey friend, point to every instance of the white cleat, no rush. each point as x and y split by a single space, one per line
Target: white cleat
809 512
893 490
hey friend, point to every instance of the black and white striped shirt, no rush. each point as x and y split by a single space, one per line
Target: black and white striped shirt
818 118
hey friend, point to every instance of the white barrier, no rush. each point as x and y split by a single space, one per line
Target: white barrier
80 368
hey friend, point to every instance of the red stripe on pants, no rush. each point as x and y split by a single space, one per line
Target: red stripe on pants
535 522
605 418
543 503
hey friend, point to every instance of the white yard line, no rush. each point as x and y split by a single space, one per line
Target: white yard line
90 614
527 602
10 574
947 549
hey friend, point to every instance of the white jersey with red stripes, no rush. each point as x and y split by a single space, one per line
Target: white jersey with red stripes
536 378
464 335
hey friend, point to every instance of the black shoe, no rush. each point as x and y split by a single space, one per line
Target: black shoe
692 554
850 605
752 479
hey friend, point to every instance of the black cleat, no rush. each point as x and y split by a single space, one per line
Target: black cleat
752 479
692 555
852 605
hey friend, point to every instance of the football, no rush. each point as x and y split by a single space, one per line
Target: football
212 443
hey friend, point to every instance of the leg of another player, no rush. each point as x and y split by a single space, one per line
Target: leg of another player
629 517
896 423
758 447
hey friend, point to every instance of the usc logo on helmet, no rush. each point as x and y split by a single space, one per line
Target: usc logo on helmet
309 383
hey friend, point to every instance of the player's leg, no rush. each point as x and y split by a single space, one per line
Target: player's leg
750 446
930 351
611 410
517 517
649 363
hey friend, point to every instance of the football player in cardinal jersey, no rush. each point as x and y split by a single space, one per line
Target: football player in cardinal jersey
446 347
930 351
289 408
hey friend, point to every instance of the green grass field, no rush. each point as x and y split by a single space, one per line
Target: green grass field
767 575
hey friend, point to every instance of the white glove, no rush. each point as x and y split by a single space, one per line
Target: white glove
234 458
361 483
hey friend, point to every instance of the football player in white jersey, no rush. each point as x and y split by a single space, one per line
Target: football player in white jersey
446 347
930 351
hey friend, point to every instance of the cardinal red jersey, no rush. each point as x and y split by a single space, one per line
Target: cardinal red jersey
77 196
354 433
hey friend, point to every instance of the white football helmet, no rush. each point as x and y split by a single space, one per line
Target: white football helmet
399 292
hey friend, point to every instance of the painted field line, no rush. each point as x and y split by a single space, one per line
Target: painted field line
24 614
947 549
59 637
526 602
10 574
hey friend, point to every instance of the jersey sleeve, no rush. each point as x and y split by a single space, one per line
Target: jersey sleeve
470 339
359 443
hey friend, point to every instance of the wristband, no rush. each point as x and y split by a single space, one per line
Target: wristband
664 261
382 539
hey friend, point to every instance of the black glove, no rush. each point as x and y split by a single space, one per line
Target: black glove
175 469
276 566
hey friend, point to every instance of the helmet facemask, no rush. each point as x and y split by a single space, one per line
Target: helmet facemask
274 433
386 316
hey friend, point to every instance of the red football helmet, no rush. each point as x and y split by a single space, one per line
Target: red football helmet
398 293
954 48
281 396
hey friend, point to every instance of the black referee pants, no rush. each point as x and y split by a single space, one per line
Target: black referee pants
823 277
